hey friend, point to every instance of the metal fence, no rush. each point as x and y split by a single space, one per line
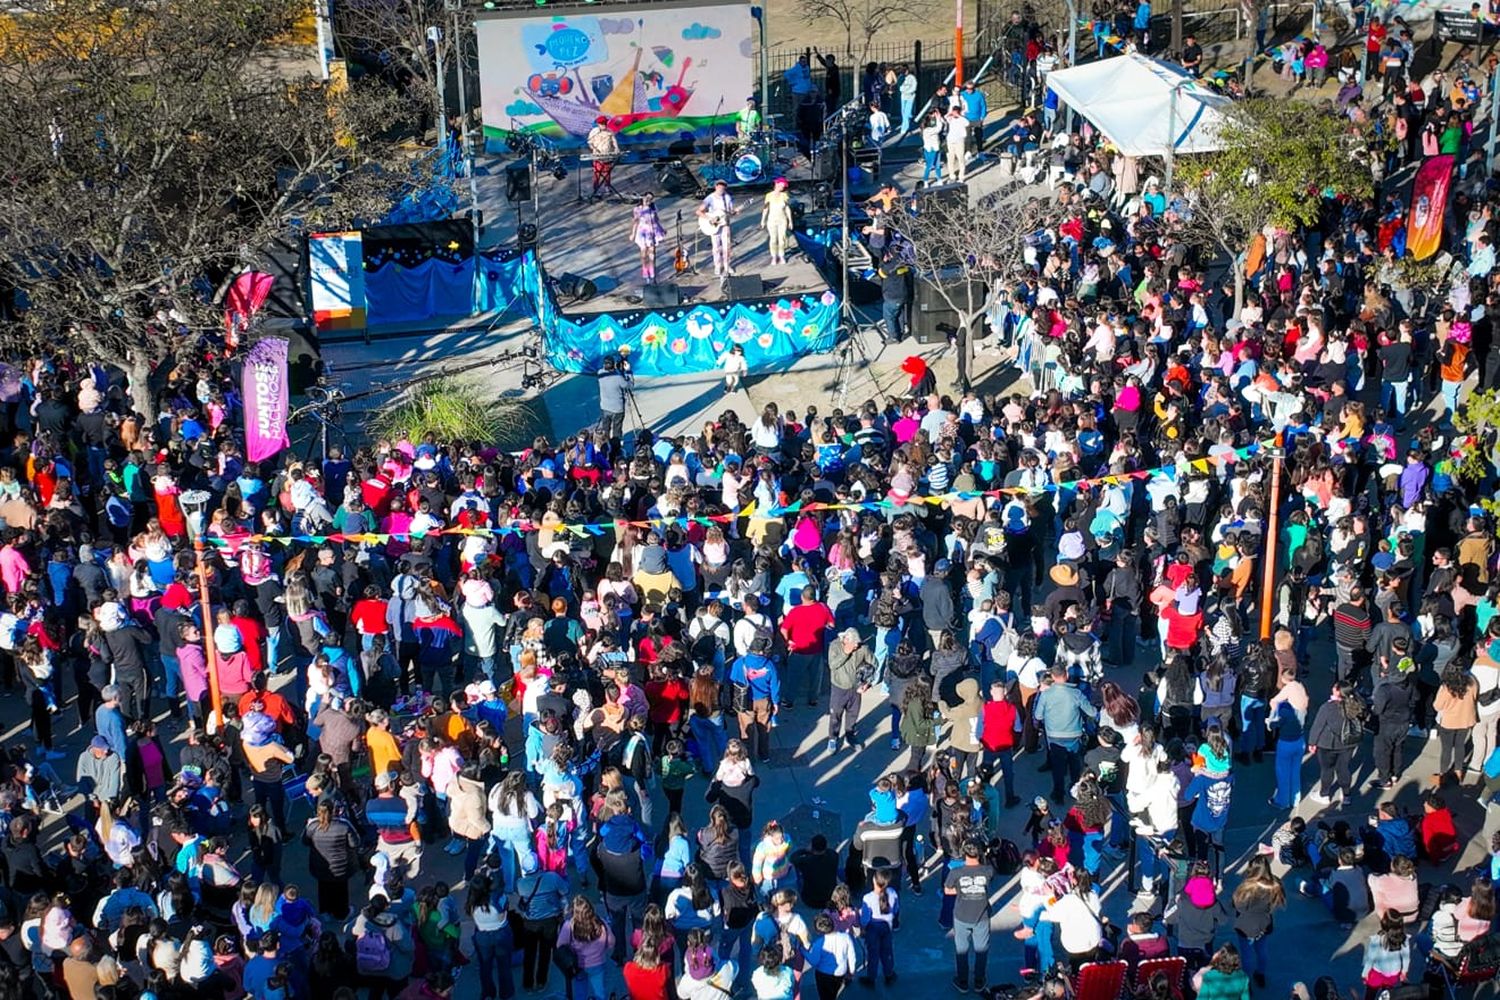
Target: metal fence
932 61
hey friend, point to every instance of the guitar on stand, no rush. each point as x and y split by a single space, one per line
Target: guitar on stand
681 262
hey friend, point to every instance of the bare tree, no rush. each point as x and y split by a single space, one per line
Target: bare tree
406 39
962 250
864 18
152 155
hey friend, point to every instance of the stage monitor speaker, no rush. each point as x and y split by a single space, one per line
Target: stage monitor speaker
527 236
744 286
663 296
955 195
575 288
676 177
518 181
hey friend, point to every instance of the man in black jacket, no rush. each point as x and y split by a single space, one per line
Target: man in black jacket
936 597
1122 599
1392 707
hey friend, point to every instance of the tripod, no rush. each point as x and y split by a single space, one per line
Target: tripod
849 346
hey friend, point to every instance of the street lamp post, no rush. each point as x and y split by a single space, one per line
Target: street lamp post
1268 583
195 508
1171 155
435 36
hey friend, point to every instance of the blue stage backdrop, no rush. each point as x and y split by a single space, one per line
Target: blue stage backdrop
675 342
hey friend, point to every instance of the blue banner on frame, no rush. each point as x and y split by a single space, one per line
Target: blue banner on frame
677 341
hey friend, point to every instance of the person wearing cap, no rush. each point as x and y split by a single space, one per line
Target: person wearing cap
604 146
716 214
776 219
538 900
850 670
398 836
939 613
101 773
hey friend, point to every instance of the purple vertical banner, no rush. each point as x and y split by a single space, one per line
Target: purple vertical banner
265 391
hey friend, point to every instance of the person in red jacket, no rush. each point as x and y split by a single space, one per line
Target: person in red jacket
368 615
999 722
1439 834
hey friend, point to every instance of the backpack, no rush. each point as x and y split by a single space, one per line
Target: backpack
372 952
1351 729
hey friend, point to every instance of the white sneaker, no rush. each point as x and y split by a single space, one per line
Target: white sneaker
1318 797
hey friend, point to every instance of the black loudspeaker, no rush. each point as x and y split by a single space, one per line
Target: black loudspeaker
575 288
955 194
518 181
1159 38
933 322
744 286
676 178
664 296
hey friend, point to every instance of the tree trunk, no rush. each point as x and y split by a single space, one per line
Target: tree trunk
138 370
1176 28
1238 267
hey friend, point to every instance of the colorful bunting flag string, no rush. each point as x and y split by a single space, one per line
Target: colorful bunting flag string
1202 465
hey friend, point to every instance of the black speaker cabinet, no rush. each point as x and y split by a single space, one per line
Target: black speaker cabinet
933 320
744 286
664 296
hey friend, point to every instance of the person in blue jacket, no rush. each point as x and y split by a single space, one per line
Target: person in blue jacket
976 110
757 696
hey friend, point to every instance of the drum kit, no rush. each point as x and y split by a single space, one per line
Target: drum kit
753 159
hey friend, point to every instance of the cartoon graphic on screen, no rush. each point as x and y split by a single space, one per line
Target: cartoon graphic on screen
661 75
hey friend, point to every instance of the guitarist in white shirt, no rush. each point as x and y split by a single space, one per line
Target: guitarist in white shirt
714 219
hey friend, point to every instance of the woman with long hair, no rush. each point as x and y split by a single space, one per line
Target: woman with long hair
1457 708
591 941
494 942
1387 958
1122 712
1256 899
333 857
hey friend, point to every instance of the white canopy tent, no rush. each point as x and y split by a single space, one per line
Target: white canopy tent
1144 107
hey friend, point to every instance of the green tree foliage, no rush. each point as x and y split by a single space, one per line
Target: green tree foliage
1280 159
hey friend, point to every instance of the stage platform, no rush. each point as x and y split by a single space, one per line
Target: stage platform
592 240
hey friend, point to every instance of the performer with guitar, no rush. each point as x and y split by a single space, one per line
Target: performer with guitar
714 220
645 232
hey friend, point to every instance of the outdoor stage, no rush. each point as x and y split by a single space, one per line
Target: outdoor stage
793 312
592 240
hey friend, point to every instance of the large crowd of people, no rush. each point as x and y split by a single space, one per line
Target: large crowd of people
474 687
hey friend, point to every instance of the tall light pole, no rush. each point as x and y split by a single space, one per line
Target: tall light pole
1171 156
958 43
454 6
1268 583
435 36
195 507
1072 58
759 13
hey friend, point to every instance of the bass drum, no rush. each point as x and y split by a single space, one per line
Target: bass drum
748 168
